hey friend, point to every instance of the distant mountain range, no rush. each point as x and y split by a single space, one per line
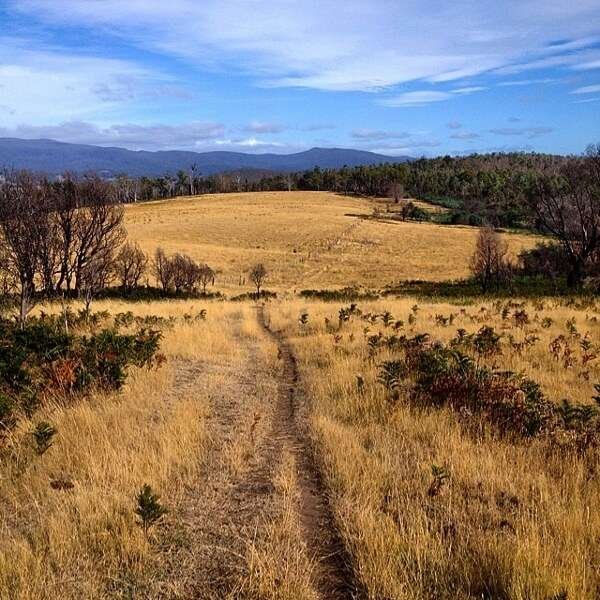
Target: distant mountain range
53 158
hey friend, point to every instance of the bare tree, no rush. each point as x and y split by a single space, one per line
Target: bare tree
206 276
186 272
396 191
258 274
88 225
130 266
94 278
193 169
98 226
567 205
163 270
490 264
23 222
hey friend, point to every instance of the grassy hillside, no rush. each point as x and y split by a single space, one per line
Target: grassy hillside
397 448
306 239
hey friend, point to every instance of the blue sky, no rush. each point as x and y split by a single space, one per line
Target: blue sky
392 76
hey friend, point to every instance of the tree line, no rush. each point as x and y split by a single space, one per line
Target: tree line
67 239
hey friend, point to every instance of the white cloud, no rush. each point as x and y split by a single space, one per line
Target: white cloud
592 64
44 85
419 98
465 135
587 89
522 82
260 127
132 136
358 46
469 90
530 132
377 134
586 100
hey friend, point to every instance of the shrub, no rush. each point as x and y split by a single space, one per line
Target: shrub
43 435
149 509
514 405
41 361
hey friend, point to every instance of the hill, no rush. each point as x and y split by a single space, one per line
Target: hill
306 239
52 157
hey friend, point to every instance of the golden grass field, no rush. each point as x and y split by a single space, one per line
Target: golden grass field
516 520
215 434
305 239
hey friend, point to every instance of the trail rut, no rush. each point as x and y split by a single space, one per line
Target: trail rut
256 416
333 577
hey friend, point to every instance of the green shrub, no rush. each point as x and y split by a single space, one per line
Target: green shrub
43 436
149 509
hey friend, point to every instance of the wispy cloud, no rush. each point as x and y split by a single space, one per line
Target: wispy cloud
522 82
465 135
454 125
586 100
418 98
586 66
469 90
260 127
375 134
136 137
294 43
48 85
530 132
587 89
318 127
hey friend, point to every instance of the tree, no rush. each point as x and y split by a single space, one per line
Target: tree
205 276
489 264
567 205
148 508
23 223
396 191
193 169
98 226
185 272
163 270
93 279
130 265
258 274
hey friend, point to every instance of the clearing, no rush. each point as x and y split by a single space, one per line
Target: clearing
306 239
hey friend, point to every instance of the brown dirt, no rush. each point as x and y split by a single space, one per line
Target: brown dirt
255 418
333 577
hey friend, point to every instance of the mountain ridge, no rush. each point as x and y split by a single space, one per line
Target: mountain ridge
54 157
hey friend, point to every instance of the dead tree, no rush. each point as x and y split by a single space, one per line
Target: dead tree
258 274
206 276
23 223
130 266
490 264
567 205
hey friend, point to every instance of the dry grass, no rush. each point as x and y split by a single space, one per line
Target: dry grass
84 542
306 239
278 563
513 521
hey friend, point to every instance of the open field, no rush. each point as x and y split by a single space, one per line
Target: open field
291 465
514 519
306 239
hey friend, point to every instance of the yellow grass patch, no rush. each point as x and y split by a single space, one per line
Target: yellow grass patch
306 239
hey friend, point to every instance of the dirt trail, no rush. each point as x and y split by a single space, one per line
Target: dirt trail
333 577
254 419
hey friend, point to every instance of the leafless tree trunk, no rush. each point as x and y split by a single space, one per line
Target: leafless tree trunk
567 205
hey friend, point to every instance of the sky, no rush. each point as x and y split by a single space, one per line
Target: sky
398 77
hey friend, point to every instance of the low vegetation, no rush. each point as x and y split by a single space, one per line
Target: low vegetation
460 442
158 440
